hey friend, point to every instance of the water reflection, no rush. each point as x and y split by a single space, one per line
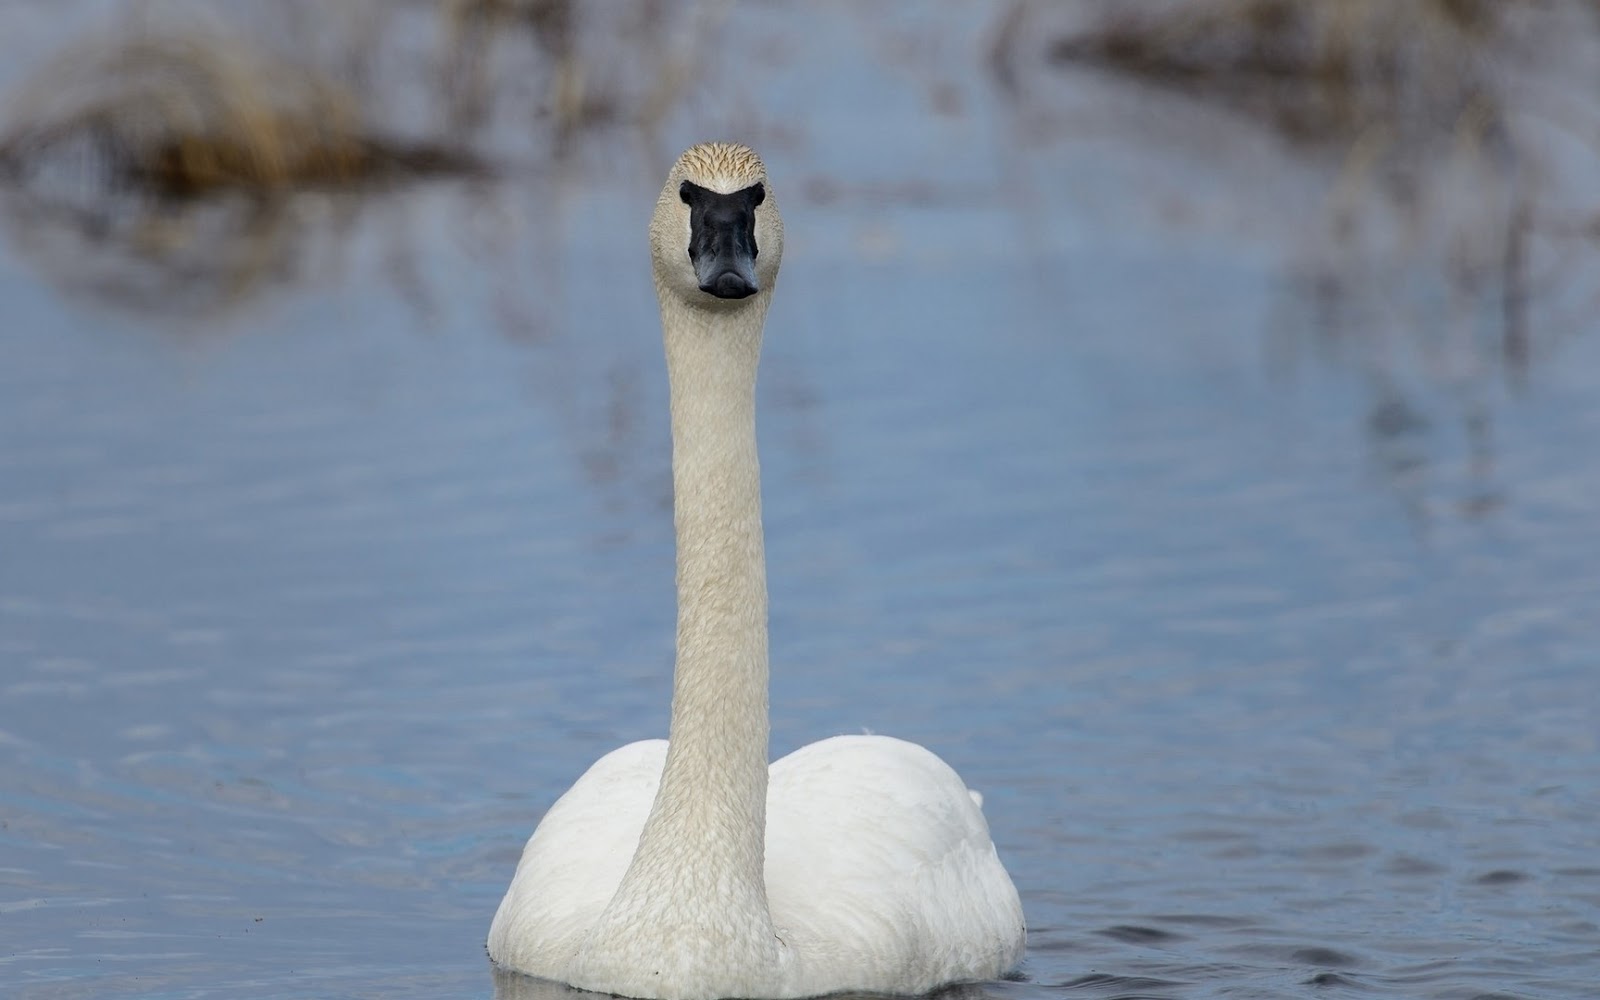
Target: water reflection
515 986
1429 243
175 170
1441 203
1451 151
558 70
163 173
194 260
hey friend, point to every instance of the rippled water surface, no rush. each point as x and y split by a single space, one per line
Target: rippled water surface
1273 653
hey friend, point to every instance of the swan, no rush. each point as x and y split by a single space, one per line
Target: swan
686 868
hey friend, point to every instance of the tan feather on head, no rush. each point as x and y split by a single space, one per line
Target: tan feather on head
723 167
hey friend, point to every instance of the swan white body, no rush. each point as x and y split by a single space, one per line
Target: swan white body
692 870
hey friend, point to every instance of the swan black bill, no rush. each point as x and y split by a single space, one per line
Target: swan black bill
722 238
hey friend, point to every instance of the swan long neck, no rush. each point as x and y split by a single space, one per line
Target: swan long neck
700 857
714 787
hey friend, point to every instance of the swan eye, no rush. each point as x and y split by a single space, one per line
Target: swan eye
758 194
683 192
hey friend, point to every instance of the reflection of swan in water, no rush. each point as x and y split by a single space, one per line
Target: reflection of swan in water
857 863
510 985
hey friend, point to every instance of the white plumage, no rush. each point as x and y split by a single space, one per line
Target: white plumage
694 871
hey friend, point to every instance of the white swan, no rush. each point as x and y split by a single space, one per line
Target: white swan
689 870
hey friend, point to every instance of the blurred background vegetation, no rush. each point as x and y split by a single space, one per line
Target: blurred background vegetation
1454 127
176 159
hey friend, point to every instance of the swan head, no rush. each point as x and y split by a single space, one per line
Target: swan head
716 237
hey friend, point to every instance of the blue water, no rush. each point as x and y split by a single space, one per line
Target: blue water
314 598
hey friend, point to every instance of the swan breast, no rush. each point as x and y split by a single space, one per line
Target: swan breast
575 860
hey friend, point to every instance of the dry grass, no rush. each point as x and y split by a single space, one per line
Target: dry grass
589 66
293 98
189 115
1317 70
1452 250
159 171
473 28
1436 117
165 167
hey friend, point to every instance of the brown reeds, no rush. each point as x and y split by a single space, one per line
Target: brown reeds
590 66
1436 113
1453 245
1317 70
177 159
188 115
